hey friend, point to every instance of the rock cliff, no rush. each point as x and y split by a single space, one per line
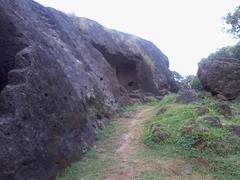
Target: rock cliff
61 80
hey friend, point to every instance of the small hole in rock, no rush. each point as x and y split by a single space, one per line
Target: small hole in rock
107 116
46 94
65 98
101 78
131 83
99 116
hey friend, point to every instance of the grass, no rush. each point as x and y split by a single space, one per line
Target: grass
91 167
130 108
212 152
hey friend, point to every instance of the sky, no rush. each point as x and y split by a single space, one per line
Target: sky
186 31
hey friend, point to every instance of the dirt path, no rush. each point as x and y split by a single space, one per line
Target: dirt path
121 155
124 147
128 145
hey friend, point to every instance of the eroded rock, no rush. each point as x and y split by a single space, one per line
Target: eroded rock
224 108
213 121
221 76
235 129
201 110
186 96
158 135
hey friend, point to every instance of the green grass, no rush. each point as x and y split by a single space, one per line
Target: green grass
91 167
219 158
151 174
215 146
131 108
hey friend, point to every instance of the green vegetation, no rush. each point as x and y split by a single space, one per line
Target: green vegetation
93 166
90 167
192 82
232 23
233 19
175 143
211 151
226 52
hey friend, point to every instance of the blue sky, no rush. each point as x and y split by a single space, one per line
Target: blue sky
186 30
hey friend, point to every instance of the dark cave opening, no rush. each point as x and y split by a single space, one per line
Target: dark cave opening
124 67
127 76
9 46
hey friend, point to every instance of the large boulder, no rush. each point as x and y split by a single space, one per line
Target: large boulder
221 76
186 96
59 85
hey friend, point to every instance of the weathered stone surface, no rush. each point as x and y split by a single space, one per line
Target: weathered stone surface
162 110
221 97
201 110
224 108
221 76
158 135
186 96
58 86
235 129
213 121
138 63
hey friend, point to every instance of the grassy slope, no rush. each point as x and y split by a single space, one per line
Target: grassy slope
167 160
220 157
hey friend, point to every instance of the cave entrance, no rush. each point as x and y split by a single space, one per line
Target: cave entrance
124 66
127 75
9 46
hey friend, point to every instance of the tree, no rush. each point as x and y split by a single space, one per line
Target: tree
193 82
233 19
226 52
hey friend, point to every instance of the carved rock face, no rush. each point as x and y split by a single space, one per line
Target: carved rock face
58 86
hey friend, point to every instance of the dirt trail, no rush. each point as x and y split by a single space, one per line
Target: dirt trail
124 148
128 145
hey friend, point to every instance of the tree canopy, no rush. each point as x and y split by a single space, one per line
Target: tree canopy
226 52
233 19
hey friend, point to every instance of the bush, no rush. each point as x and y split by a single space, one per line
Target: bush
193 82
196 84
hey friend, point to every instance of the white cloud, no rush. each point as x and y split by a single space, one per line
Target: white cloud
185 30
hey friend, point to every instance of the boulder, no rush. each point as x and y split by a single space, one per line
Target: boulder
235 129
220 76
201 110
220 97
186 96
162 110
224 108
213 121
60 82
158 135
